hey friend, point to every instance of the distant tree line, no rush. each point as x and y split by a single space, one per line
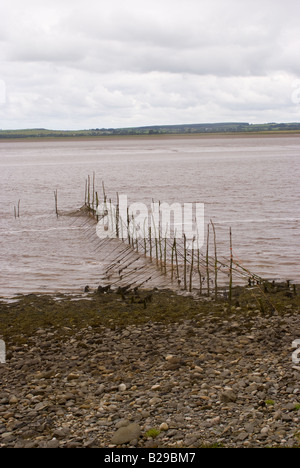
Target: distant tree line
206 128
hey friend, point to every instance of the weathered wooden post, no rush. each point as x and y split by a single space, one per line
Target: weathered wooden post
172 260
185 263
118 217
230 270
192 266
93 203
150 243
199 271
97 204
216 260
207 261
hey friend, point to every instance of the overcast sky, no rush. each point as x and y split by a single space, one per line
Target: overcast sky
74 64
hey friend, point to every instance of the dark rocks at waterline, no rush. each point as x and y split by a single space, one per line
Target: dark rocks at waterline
103 289
123 290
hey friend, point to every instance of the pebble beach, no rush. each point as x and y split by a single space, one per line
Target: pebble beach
101 370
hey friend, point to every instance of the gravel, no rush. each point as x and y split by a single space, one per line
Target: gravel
226 381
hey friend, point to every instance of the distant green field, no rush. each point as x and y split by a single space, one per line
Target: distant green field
193 129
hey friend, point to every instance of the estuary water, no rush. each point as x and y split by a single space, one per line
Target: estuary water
250 184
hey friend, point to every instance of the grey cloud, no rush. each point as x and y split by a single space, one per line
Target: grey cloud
194 37
94 63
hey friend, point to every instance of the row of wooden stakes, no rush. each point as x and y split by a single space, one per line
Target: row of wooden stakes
190 267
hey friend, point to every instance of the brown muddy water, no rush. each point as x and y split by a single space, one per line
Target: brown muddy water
250 184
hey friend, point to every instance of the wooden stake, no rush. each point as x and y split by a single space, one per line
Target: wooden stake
97 204
111 215
199 272
133 231
176 258
185 264
160 239
145 238
122 232
172 260
118 217
104 194
128 222
207 259
216 261
165 256
156 250
192 266
160 250
230 271
93 204
150 242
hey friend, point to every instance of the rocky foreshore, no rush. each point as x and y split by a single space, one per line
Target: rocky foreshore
108 371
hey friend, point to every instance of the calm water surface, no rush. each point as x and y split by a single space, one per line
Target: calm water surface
250 184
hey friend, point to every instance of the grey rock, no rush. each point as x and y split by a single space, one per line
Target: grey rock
100 390
228 397
122 423
52 444
242 436
249 428
124 435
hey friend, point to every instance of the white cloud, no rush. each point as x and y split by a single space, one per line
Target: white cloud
82 64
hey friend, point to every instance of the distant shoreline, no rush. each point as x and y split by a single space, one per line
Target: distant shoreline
179 136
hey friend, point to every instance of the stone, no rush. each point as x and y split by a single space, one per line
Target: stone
122 423
228 397
44 375
155 401
124 435
163 427
61 433
265 430
169 357
73 377
249 428
13 400
6 435
156 388
100 390
52 444
242 436
215 421
41 406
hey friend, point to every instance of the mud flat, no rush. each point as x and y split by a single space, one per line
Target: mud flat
151 369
